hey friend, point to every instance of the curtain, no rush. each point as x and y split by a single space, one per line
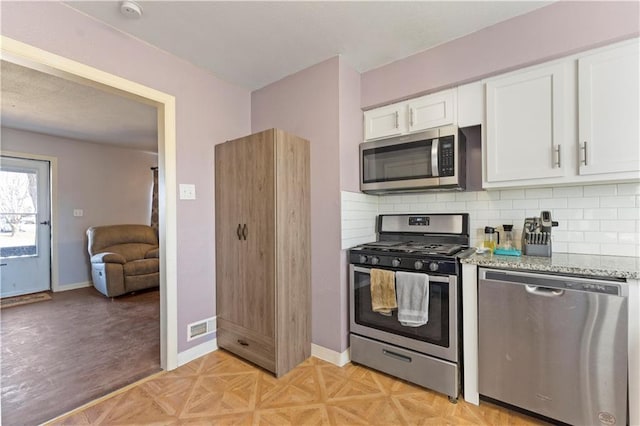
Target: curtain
154 201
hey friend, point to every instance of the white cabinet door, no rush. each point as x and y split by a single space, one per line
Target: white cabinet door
385 121
526 124
432 111
608 99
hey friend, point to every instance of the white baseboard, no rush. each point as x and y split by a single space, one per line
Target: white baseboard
73 286
331 356
197 351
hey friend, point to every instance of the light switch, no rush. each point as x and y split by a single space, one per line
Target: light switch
187 191
78 212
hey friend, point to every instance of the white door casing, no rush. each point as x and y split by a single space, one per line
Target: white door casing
26 249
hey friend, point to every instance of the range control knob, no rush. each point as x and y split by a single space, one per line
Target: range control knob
363 258
418 264
395 262
375 260
433 266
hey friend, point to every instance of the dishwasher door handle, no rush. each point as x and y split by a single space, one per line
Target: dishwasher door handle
543 291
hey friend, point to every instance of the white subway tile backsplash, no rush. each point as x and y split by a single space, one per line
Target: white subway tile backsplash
619 249
628 188
488 195
466 196
553 203
630 213
427 198
596 219
512 214
568 192
512 194
526 204
593 190
584 248
446 196
501 204
538 193
583 225
618 225
584 203
456 206
628 238
560 247
619 201
601 237
567 214
600 213
477 205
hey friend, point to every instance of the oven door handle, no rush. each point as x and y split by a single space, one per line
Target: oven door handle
434 278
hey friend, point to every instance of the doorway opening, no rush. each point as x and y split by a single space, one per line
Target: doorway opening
29 56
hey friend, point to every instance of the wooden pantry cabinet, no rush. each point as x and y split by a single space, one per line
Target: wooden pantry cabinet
263 263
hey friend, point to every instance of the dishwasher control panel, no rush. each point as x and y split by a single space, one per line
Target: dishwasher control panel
555 282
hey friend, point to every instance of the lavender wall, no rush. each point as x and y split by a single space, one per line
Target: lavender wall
306 104
112 185
208 111
556 30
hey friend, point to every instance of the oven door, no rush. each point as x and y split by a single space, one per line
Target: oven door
439 337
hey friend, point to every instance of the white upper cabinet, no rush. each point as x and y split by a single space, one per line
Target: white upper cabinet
526 119
471 104
608 87
432 111
385 121
571 121
410 116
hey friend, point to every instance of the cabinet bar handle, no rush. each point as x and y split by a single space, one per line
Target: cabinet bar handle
242 342
244 232
584 149
410 117
558 163
239 232
397 120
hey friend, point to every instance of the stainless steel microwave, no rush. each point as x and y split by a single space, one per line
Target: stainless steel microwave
433 159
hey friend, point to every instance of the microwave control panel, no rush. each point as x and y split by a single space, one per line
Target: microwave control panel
446 157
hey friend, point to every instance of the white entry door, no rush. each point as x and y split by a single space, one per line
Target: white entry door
25 227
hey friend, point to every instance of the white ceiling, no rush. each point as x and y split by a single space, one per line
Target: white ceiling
43 103
256 43
251 44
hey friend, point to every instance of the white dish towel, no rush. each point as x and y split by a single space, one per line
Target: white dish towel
413 298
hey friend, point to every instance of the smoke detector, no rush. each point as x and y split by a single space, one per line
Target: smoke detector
131 9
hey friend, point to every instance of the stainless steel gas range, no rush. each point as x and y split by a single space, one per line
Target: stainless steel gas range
429 245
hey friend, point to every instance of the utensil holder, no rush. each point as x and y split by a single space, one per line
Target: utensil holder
543 250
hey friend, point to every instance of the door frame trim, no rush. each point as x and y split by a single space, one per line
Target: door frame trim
53 205
26 55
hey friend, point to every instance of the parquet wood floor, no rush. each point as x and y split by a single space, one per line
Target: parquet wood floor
221 389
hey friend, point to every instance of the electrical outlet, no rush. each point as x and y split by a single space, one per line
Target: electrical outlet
187 191
78 212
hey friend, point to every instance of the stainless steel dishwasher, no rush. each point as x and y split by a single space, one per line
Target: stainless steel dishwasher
554 345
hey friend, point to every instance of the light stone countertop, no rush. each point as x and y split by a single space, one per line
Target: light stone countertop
566 263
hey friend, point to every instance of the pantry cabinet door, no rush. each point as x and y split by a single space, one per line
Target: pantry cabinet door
527 119
608 104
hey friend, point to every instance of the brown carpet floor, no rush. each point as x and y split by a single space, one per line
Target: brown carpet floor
62 353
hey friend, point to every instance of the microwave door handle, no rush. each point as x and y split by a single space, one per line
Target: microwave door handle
435 148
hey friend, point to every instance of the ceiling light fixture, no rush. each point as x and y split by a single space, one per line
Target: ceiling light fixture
131 9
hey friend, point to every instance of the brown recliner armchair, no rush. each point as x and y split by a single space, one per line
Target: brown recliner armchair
124 258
